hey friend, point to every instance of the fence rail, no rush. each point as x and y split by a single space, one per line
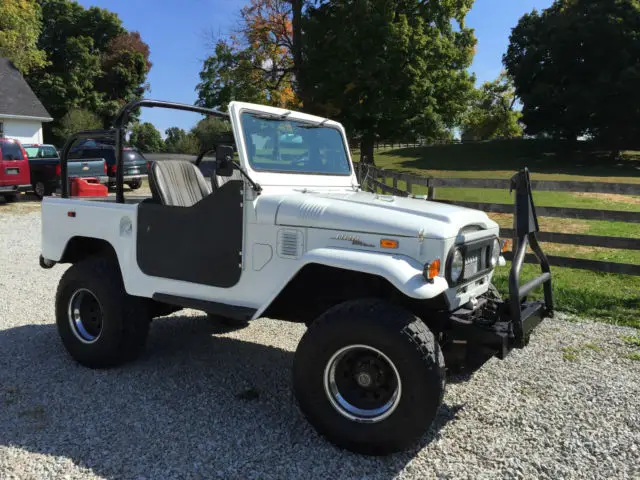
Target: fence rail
376 179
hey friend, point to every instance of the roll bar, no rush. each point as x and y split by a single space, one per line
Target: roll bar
118 134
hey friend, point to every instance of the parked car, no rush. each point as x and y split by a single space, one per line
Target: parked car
136 167
44 164
14 169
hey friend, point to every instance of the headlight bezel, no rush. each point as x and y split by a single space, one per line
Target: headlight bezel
450 259
487 247
493 254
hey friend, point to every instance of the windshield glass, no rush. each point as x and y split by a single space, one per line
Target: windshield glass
293 146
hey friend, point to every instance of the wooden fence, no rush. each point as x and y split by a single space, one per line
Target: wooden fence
375 179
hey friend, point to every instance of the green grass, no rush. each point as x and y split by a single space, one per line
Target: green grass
633 340
547 159
605 297
633 356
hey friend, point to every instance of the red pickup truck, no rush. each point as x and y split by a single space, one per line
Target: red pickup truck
14 169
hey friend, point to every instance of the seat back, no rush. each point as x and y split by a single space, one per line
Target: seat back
177 183
217 181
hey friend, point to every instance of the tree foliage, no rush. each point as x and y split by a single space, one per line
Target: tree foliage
492 113
388 68
575 68
146 138
212 131
256 63
179 141
75 120
94 63
20 25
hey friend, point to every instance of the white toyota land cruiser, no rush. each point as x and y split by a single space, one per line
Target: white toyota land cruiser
390 288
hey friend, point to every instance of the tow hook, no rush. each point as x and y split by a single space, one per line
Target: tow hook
46 263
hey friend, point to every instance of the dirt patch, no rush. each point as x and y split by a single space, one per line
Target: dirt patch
610 197
20 207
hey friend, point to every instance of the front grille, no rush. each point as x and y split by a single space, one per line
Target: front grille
476 259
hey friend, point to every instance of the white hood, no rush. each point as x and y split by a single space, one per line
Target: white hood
370 213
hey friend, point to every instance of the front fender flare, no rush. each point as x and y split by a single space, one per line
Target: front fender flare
404 273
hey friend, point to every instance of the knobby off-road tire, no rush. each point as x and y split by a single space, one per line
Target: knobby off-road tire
100 325
370 334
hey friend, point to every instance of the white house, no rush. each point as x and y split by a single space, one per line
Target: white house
21 113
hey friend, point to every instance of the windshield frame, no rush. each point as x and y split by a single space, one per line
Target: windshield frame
295 119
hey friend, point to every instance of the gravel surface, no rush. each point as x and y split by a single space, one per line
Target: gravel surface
207 404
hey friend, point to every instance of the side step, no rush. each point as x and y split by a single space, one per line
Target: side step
224 310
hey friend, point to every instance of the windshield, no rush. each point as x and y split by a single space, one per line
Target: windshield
293 146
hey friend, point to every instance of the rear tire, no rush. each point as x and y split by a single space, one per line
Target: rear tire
369 376
99 324
135 184
41 189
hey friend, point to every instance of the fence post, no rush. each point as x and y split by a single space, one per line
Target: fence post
431 190
395 181
409 187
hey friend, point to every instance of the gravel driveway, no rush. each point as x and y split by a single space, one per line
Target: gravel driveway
205 404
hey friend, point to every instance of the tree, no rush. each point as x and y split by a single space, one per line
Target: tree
575 69
95 63
179 141
76 120
211 132
146 138
492 112
256 63
388 68
20 26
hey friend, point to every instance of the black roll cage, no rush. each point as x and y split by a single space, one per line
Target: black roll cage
118 133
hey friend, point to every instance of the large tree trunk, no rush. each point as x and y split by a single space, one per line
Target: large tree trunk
367 144
296 26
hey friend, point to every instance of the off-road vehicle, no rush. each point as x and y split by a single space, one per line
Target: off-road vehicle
391 289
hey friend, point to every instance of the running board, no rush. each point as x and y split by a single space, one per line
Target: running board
222 309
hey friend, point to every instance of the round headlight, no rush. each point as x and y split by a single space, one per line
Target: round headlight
495 253
457 265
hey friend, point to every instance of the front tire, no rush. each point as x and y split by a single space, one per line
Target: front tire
369 376
99 324
10 198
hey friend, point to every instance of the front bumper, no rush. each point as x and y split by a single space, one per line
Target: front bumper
126 178
491 326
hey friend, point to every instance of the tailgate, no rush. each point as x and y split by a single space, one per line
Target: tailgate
89 167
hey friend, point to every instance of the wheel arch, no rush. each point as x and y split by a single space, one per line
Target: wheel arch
294 303
79 248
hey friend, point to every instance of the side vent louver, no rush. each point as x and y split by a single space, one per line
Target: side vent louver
290 243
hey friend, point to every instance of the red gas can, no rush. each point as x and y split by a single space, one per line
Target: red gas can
87 187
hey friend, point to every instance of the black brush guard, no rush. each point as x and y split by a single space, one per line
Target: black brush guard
500 325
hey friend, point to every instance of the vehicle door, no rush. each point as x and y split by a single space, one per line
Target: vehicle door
14 165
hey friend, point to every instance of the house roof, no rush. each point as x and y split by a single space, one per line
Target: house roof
16 97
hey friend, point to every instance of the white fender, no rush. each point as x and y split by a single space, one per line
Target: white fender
401 271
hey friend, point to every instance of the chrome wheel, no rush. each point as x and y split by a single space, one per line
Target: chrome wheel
362 383
85 316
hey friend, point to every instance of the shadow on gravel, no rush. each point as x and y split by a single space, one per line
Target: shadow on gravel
194 406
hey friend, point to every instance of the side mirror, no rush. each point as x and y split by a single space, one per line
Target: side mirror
224 157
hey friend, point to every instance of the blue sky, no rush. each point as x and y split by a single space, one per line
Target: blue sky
179 32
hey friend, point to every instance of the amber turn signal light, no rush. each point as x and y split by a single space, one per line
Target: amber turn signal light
387 243
506 245
431 270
